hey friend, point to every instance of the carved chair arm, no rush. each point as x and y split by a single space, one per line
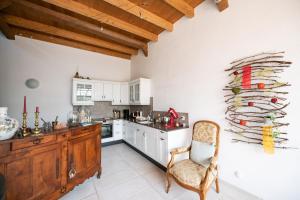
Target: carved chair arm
211 172
176 151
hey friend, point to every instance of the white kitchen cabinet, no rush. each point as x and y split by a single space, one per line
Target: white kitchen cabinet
103 91
107 91
139 92
118 129
141 138
98 91
155 143
131 94
116 99
162 148
131 134
120 94
151 143
83 92
124 94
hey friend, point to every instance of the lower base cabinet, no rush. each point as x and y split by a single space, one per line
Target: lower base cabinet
48 166
153 142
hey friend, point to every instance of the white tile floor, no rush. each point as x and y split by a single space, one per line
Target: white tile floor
127 175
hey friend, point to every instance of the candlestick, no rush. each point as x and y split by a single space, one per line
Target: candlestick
36 131
24 125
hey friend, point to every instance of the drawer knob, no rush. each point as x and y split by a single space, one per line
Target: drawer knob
72 173
36 141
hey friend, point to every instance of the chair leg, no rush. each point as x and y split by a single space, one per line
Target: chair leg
217 185
202 195
168 182
217 182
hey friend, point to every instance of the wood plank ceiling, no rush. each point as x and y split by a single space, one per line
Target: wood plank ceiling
113 27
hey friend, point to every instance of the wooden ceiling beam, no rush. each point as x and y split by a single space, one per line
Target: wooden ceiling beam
69 43
182 7
36 26
142 13
5 29
5 4
102 17
88 27
222 4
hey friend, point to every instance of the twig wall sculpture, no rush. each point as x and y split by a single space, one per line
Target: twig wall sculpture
256 100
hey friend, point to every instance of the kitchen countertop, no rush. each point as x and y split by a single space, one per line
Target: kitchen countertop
160 126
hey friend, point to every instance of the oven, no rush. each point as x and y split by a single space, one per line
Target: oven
107 130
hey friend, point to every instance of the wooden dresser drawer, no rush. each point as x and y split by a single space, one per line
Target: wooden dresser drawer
33 141
84 130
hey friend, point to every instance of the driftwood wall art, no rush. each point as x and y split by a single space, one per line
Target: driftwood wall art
256 100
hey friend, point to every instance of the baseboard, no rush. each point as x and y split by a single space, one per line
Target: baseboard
147 157
112 143
235 193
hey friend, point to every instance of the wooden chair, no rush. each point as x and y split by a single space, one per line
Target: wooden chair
190 174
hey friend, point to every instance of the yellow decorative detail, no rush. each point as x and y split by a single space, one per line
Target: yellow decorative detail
268 142
237 102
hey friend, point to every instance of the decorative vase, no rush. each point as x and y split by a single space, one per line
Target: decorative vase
8 126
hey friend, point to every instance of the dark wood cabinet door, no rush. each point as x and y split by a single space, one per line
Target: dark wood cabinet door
83 155
35 175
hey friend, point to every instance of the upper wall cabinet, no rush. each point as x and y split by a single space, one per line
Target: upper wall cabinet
120 94
83 92
103 91
139 92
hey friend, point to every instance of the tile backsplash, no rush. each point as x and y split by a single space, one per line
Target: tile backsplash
103 109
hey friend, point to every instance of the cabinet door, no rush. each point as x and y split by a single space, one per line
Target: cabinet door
98 91
131 94
124 94
116 100
131 134
151 143
117 129
140 139
35 176
137 92
83 155
83 93
107 91
162 149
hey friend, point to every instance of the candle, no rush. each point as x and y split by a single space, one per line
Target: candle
37 109
24 107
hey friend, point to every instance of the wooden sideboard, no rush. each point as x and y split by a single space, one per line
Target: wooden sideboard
50 165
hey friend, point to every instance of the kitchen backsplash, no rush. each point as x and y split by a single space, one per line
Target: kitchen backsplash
103 109
146 109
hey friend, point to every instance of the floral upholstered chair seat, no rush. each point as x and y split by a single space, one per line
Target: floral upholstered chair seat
199 171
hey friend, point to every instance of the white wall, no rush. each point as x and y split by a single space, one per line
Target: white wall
187 71
54 66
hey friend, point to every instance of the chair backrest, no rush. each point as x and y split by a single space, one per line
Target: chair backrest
207 132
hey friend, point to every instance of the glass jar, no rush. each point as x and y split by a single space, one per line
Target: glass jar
73 118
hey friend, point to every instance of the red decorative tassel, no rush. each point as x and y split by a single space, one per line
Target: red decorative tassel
246 78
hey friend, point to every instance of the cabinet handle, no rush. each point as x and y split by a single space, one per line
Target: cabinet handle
57 168
162 139
162 132
144 134
36 141
137 129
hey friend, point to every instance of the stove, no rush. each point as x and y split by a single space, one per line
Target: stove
107 127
